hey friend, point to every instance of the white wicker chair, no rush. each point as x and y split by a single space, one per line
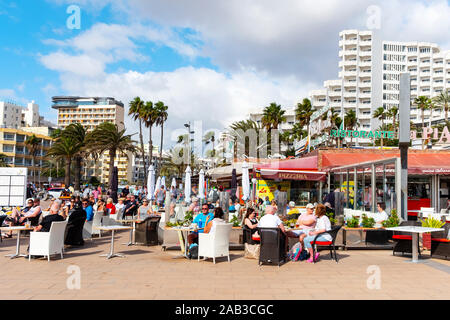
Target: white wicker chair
48 243
215 244
89 227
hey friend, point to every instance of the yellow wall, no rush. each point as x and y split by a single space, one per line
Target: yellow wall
268 187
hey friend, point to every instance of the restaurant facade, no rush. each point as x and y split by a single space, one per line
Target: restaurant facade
364 177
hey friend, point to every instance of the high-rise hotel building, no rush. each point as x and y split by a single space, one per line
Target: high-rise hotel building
90 112
369 77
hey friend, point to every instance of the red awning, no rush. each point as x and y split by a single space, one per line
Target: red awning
295 169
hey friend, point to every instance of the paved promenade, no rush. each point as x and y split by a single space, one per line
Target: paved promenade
150 273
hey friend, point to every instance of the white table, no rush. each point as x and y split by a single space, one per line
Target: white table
414 230
113 229
18 229
186 230
133 222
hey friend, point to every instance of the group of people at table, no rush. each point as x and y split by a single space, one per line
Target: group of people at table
75 209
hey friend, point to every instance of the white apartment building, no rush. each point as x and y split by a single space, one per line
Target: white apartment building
15 116
369 76
91 112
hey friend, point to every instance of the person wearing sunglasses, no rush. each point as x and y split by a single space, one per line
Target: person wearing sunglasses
202 219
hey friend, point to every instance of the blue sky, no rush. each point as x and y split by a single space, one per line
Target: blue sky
24 27
209 61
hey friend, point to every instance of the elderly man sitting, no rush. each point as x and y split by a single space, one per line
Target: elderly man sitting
270 220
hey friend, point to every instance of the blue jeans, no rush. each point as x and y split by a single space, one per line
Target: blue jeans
307 241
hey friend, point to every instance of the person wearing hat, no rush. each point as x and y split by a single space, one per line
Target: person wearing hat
305 223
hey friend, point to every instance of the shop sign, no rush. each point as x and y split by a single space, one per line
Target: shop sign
266 188
433 133
362 134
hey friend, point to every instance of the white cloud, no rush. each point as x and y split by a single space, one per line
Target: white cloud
194 94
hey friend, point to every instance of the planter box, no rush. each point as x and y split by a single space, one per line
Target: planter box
426 241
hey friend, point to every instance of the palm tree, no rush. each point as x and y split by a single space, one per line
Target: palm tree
33 144
65 148
210 137
239 127
380 114
108 137
135 111
273 116
3 160
336 122
77 133
350 121
423 103
393 113
149 116
442 101
161 118
303 113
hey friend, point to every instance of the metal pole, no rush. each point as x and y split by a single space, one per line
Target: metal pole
374 189
355 188
404 138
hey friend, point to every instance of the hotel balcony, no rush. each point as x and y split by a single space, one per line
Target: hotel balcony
365 95
350 94
347 63
365 53
365 64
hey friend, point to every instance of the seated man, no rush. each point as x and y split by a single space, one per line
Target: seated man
270 220
131 207
46 223
18 217
381 215
88 209
202 219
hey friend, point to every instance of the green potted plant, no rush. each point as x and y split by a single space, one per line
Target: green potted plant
430 222
353 222
235 221
392 221
367 222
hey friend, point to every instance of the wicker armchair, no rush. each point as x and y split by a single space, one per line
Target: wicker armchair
440 242
147 231
272 246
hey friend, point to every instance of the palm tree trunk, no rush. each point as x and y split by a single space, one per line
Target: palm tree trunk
382 140
77 169
142 150
67 173
160 150
112 156
446 112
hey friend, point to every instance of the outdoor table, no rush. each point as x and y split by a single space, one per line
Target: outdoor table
186 230
112 229
133 228
414 230
18 229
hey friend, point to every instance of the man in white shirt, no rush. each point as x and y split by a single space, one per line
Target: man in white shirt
381 215
270 220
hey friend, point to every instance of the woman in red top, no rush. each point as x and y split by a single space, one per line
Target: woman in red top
110 206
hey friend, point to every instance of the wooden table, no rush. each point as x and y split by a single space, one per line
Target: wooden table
18 229
111 253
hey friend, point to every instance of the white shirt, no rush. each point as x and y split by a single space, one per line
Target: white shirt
269 221
380 216
324 223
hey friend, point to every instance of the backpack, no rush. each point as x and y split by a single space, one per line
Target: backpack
304 255
193 251
294 253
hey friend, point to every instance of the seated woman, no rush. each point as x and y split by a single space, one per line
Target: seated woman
212 224
323 224
101 207
251 223
110 206
144 211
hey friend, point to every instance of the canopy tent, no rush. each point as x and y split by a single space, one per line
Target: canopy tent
226 171
295 169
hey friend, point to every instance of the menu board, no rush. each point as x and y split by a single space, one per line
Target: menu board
13 187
